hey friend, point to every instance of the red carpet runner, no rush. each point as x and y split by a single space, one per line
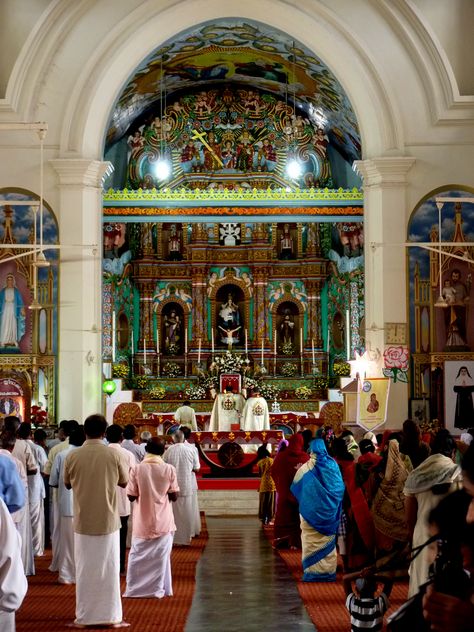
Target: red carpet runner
49 606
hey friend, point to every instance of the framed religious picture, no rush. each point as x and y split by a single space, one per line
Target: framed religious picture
420 410
372 402
458 395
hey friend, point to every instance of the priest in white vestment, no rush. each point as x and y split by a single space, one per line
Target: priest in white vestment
185 459
256 415
13 584
152 487
186 416
226 411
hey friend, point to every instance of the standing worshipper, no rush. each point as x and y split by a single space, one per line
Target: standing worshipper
287 529
266 489
153 485
186 416
12 491
13 584
36 491
256 415
197 514
65 552
319 489
186 463
412 445
129 434
226 410
114 435
93 472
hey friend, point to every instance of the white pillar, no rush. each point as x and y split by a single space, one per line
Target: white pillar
385 218
80 274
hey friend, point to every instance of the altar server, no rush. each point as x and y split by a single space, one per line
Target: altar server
256 415
93 472
153 484
226 410
13 584
186 416
185 459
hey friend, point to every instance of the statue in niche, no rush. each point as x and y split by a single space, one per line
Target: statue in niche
287 333
174 244
12 314
286 243
228 322
172 327
457 296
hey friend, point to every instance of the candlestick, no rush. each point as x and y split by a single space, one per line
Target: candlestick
246 343
212 341
348 336
275 343
144 350
301 341
113 336
312 350
199 350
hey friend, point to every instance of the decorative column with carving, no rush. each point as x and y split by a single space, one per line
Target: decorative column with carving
199 328
313 288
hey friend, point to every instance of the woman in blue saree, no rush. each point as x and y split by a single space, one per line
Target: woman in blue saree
319 488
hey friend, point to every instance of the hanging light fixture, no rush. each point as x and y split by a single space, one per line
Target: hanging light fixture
441 301
162 167
109 387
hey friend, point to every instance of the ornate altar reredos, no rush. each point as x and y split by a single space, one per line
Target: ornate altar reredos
28 308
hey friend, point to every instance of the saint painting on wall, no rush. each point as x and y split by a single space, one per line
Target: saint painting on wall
458 390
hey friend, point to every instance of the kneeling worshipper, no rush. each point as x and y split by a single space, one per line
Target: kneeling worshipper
13 584
153 485
319 489
255 415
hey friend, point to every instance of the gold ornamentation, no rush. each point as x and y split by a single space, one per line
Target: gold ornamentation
231 211
197 437
231 436
214 436
247 436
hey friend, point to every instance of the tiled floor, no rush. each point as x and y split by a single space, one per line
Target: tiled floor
241 585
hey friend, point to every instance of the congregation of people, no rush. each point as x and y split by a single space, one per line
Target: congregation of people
376 509
95 490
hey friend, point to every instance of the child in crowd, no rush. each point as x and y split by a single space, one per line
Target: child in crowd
365 608
266 508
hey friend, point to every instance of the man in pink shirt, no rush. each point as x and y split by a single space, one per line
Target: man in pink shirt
153 484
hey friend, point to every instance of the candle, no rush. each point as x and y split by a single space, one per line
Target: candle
113 336
144 350
212 341
199 350
301 341
157 340
262 354
312 350
133 346
348 336
327 342
275 342
246 343
185 343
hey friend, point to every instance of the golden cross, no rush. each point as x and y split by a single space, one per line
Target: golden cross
200 136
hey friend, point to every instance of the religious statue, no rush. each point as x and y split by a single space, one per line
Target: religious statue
286 243
228 323
172 326
287 331
12 314
174 245
457 296
212 153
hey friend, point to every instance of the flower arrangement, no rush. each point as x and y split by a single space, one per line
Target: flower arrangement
195 392
172 349
341 369
303 392
320 382
171 369
430 426
157 392
141 381
289 369
209 381
287 348
269 391
250 383
229 362
120 371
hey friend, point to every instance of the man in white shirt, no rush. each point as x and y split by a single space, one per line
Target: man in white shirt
186 462
186 416
114 435
197 515
129 434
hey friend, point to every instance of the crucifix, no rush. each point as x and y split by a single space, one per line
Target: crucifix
200 136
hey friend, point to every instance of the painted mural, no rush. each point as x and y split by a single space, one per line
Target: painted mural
441 289
232 50
227 137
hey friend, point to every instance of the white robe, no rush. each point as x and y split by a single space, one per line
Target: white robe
256 415
13 584
226 411
149 567
97 579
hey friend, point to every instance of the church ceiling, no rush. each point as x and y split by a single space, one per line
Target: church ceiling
238 52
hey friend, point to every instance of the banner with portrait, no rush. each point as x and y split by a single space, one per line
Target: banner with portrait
372 402
458 395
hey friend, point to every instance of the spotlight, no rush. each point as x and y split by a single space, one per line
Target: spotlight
293 169
162 169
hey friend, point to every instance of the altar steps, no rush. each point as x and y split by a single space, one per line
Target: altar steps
228 497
